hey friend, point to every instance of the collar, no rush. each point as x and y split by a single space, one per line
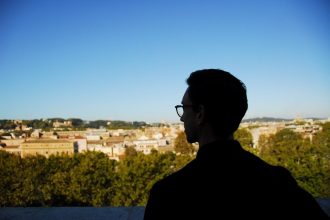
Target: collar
220 148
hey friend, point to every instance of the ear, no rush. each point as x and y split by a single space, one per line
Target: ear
200 115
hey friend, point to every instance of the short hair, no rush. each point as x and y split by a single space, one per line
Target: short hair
222 95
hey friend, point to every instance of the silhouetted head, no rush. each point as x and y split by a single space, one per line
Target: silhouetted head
221 96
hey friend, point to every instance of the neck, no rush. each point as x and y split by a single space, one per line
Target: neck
208 136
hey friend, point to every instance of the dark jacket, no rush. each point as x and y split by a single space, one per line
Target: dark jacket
227 182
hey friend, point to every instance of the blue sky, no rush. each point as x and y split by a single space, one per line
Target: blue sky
128 60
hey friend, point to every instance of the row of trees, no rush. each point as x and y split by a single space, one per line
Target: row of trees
307 159
88 179
77 124
92 179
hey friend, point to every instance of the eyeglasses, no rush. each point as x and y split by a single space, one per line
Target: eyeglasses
180 108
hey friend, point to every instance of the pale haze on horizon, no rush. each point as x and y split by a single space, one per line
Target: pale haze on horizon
128 60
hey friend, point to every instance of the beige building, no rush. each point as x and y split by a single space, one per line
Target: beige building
47 147
12 142
12 149
58 124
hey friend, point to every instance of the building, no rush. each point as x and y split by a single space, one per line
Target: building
81 143
47 147
11 149
11 145
58 124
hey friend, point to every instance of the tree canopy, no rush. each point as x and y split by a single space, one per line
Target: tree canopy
92 179
182 146
307 160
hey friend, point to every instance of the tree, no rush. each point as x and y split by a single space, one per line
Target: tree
39 124
130 152
284 148
77 122
136 176
7 124
92 181
97 124
58 181
182 146
308 162
182 160
11 171
28 191
244 137
319 155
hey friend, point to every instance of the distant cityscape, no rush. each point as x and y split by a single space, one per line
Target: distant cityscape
70 136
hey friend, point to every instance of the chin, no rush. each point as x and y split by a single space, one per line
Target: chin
190 139
189 136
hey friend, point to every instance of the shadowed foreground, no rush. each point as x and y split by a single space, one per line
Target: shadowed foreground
73 213
90 213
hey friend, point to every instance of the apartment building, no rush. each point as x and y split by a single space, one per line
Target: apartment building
47 147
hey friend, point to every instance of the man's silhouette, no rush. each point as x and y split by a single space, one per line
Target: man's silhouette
224 181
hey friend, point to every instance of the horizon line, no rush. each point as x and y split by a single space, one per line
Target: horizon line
162 121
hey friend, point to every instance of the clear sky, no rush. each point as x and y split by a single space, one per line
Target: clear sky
128 60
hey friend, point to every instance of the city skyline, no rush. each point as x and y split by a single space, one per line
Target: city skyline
60 119
129 60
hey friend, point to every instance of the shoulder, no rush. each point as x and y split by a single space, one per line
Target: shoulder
276 176
294 200
178 178
167 195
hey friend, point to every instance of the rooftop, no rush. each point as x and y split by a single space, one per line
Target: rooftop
46 141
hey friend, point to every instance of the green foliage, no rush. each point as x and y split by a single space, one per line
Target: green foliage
88 179
244 137
130 152
117 124
76 122
308 161
7 124
182 146
126 125
319 154
97 124
32 179
21 180
285 148
92 179
136 175
39 124
11 170
56 119
181 161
